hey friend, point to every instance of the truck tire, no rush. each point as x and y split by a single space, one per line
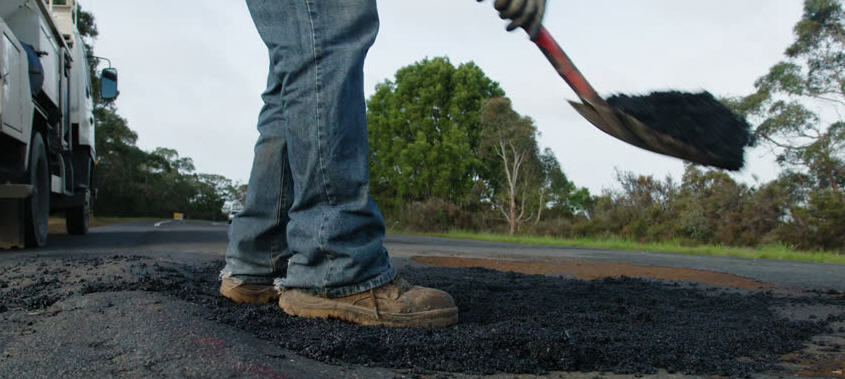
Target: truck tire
37 205
76 218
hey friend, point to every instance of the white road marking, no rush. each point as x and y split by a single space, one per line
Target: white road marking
160 223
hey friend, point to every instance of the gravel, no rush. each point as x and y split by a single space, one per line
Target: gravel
509 322
696 119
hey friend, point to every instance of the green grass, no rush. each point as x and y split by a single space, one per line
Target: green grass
779 252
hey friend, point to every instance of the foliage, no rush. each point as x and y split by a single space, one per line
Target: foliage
710 207
135 183
87 26
637 211
236 196
797 108
424 132
794 103
559 194
429 140
435 215
794 109
813 219
512 139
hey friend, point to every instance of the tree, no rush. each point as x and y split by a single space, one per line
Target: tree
645 206
211 193
581 202
118 170
424 132
797 108
709 207
511 138
236 194
433 150
794 100
87 26
554 182
557 192
133 182
167 160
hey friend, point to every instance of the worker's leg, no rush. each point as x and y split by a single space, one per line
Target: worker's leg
335 231
258 249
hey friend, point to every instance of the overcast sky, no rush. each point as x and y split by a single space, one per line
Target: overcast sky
191 72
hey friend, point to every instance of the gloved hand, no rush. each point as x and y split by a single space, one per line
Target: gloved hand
526 14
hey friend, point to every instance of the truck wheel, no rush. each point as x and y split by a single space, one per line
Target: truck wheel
37 207
76 218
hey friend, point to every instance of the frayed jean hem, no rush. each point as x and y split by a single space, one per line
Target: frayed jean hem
386 277
248 279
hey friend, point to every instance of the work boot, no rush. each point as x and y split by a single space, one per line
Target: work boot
249 293
395 304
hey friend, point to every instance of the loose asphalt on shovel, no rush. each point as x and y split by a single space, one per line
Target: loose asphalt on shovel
510 323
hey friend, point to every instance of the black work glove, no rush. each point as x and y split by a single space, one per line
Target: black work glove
527 14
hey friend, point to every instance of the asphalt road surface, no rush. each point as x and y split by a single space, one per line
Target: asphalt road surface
138 299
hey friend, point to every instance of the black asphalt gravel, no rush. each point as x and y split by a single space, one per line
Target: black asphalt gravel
510 322
697 119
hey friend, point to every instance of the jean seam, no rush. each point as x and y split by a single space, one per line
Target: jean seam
322 242
279 208
321 239
318 104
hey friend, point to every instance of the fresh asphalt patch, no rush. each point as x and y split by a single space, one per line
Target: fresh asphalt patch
509 322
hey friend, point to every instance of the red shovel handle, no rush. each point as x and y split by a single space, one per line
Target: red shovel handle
565 67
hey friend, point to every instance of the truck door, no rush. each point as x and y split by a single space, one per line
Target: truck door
14 81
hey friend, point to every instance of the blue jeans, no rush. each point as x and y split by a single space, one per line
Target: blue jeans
308 220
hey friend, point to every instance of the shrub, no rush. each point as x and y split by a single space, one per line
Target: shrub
434 215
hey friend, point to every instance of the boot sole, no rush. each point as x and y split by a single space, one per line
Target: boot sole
248 296
296 304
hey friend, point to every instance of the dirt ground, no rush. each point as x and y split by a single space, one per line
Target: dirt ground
591 271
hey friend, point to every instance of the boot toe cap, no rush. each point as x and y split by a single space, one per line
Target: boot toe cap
429 299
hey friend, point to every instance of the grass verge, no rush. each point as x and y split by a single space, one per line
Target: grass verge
779 252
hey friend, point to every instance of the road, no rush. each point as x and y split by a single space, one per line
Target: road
87 306
206 242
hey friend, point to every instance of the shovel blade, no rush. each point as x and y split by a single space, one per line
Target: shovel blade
628 129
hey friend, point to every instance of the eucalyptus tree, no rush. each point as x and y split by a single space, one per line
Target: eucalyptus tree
798 105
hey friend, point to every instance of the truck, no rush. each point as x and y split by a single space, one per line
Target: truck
47 154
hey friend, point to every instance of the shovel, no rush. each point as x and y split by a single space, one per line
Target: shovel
694 127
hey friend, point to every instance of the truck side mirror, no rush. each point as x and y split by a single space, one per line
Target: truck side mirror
108 84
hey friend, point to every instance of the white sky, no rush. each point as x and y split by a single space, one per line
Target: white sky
191 72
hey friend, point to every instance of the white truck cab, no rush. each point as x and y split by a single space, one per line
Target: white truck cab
47 152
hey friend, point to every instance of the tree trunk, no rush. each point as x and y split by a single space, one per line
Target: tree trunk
833 185
542 205
512 218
